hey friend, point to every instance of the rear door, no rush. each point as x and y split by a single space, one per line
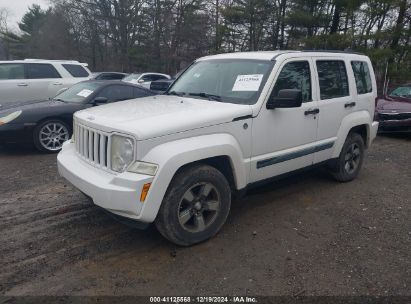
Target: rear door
43 79
336 101
13 85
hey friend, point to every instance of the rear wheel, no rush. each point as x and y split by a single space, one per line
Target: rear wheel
50 135
349 163
195 206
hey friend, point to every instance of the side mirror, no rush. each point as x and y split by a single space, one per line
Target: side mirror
100 100
289 98
141 81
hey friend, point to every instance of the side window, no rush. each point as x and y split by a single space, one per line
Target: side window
295 75
333 79
76 70
11 71
41 71
149 78
141 93
117 92
362 77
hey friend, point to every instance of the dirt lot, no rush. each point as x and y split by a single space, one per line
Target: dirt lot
305 235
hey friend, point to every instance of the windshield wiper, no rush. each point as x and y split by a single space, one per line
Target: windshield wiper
176 93
58 99
206 95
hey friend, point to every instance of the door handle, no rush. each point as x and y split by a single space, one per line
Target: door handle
350 105
22 85
312 112
57 83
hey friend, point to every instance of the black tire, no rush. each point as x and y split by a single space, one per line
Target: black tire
175 204
41 146
349 163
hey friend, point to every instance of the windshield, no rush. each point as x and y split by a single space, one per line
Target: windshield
237 81
79 92
402 92
132 78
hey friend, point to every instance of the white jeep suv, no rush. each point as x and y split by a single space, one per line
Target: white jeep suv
227 123
35 79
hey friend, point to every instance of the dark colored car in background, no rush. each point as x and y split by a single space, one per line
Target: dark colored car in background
394 110
108 76
48 124
162 85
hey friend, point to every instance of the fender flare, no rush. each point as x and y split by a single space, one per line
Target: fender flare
171 156
351 121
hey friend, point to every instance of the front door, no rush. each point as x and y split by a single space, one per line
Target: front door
284 139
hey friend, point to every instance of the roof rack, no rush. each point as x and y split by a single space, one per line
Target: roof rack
347 51
35 59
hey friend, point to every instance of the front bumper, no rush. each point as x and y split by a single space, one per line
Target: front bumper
116 193
16 133
395 125
394 122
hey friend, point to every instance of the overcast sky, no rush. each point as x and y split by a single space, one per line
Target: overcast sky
18 8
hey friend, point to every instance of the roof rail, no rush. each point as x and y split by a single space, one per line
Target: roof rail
35 59
346 51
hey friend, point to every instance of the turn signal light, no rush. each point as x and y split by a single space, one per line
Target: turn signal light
144 192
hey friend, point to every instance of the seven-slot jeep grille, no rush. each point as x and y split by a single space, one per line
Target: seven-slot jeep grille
93 145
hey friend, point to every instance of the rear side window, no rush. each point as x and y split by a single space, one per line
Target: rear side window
157 77
149 77
333 79
11 71
295 75
76 70
41 71
362 77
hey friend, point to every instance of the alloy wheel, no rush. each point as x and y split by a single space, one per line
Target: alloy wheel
199 207
352 158
52 136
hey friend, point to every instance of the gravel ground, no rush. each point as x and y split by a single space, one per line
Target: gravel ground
305 235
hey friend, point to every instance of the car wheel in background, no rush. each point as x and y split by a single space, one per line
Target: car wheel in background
50 135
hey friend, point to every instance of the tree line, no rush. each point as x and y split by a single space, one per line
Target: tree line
166 35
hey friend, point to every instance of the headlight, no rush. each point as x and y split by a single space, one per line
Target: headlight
122 153
143 168
10 117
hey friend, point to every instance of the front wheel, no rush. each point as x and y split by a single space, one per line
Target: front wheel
50 135
195 206
349 163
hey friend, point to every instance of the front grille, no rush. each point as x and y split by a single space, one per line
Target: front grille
93 146
394 116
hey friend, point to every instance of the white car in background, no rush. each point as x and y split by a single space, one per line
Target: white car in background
145 79
35 79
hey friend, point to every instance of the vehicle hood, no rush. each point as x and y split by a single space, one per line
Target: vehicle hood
160 115
33 111
385 105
